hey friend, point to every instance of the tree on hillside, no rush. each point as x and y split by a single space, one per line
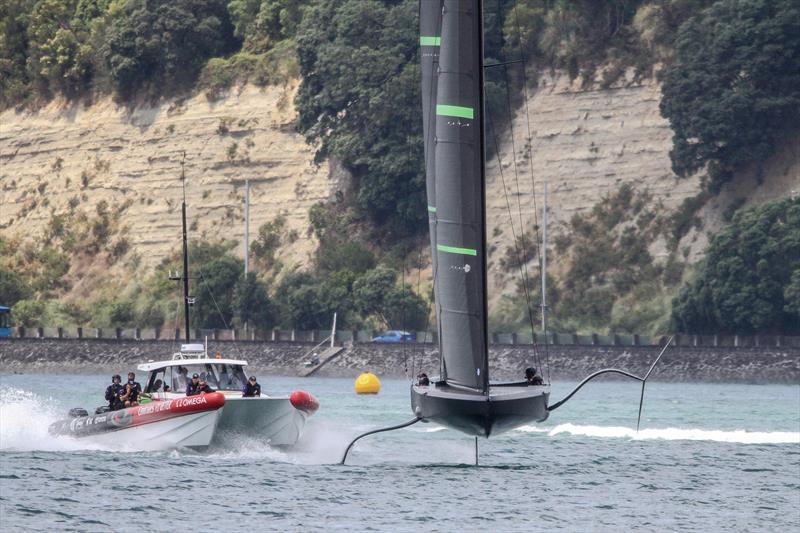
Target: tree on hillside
734 89
750 278
12 287
163 44
14 16
359 102
59 58
252 304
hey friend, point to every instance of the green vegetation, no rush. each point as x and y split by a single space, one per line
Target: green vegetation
749 281
731 90
608 280
734 88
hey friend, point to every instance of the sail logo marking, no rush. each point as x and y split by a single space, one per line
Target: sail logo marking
455 111
456 250
430 40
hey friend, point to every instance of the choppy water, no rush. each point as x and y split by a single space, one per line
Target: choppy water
709 457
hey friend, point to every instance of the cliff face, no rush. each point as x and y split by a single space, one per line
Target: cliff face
78 156
585 143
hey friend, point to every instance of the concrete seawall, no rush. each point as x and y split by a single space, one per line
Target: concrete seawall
680 364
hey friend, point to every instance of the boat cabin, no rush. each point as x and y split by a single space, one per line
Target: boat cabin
220 373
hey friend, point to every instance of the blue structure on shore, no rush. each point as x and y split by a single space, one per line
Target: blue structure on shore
5 329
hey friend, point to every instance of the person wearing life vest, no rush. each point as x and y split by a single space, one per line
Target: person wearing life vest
201 388
252 389
531 378
132 390
113 392
191 387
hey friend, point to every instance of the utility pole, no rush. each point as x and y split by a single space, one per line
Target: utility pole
544 263
246 225
246 235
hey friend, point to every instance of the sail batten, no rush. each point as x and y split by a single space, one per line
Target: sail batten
459 235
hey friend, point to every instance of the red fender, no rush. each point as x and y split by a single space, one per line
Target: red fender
304 401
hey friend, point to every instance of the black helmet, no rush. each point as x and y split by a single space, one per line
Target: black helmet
530 372
116 376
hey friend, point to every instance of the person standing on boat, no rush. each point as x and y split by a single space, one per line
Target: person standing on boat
252 389
130 397
113 392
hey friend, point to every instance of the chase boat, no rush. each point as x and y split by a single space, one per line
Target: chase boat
278 419
160 424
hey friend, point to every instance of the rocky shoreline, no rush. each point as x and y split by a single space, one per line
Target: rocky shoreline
757 365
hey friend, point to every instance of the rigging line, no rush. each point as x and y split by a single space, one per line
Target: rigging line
508 203
523 263
523 56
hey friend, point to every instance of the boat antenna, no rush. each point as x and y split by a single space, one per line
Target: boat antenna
186 300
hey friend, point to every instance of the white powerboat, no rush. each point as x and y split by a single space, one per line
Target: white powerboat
278 419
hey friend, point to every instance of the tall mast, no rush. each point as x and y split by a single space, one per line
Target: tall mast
482 102
186 300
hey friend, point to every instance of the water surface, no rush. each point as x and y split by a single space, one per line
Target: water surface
709 457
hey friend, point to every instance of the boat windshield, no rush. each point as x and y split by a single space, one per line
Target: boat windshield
220 376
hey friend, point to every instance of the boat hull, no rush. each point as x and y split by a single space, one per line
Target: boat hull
183 422
506 407
273 419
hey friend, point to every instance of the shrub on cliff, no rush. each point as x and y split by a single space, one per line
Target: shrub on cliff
750 279
161 45
734 89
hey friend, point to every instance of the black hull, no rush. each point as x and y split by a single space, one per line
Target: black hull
506 407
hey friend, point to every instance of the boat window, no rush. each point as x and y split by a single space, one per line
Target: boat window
219 376
153 384
179 378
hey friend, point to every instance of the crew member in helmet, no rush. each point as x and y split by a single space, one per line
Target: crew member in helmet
113 392
532 378
252 389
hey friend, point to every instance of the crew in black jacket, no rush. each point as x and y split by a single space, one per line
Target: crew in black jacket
191 387
131 392
252 389
113 392
198 386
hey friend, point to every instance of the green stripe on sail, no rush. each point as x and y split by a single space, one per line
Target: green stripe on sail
431 209
455 111
456 250
427 40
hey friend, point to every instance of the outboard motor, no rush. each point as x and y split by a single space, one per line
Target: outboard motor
102 409
77 412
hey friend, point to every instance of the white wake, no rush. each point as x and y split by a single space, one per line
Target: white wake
740 436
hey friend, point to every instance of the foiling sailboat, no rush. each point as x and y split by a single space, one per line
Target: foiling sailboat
464 398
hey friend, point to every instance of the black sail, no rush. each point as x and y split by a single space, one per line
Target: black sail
459 187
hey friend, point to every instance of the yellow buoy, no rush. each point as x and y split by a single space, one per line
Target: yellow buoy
367 383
